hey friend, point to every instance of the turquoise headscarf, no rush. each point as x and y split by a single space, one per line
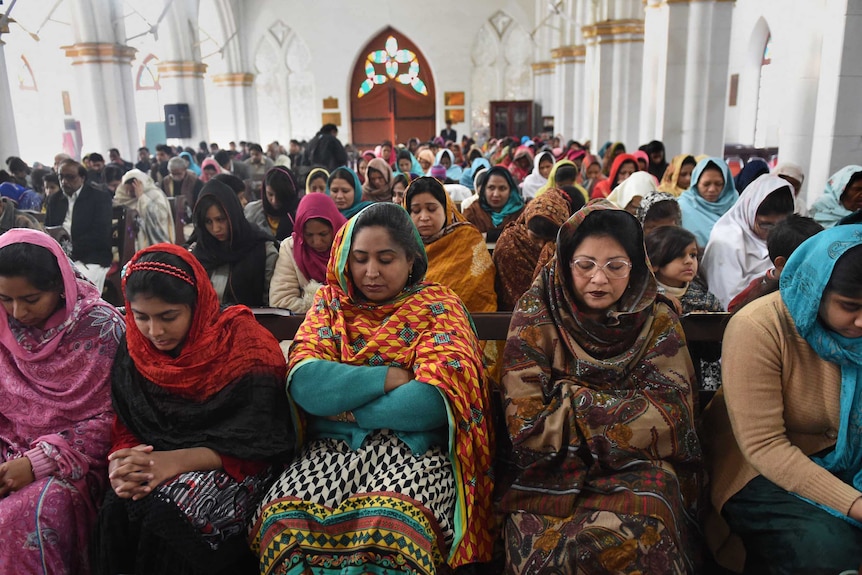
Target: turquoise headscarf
192 164
515 203
467 175
358 204
453 172
802 283
827 210
698 215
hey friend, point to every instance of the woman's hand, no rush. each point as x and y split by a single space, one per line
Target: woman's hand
396 377
856 510
15 474
130 471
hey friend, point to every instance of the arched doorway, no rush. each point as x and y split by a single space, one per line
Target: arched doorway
391 92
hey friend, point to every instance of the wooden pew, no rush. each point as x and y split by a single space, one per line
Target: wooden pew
124 231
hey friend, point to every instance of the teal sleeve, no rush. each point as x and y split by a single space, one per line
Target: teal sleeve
414 406
325 388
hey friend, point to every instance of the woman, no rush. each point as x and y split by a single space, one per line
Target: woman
301 266
56 347
426 160
400 183
624 166
629 194
657 161
597 389
315 182
528 244
458 257
499 203
375 400
210 168
677 176
238 257
842 196
446 158
378 182
275 211
345 190
542 165
155 216
190 163
736 253
785 461
564 173
407 164
592 174
201 421
755 168
522 161
610 156
709 197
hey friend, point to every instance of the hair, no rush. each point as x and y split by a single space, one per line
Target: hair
328 128
404 155
231 181
426 184
342 174
315 176
788 234
112 173
846 278
165 148
5 176
164 286
177 162
665 244
398 179
222 157
37 178
575 197
689 161
543 227
281 183
144 148
711 166
255 148
617 224
96 157
474 154
778 202
82 171
52 178
663 210
34 263
853 179
114 151
566 172
401 229
16 164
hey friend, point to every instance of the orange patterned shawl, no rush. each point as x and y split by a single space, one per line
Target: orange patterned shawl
427 329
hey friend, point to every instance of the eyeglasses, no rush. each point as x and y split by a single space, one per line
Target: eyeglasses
614 269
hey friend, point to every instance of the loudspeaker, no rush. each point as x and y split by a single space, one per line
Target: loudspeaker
178 121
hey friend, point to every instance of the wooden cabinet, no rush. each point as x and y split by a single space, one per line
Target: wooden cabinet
515 118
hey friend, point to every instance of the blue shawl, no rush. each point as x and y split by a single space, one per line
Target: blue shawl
827 210
453 172
358 204
698 215
515 203
802 283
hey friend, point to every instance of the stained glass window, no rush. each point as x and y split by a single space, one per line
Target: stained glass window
392 59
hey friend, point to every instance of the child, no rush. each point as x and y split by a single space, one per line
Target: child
782 241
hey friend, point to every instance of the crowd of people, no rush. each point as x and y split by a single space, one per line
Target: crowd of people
178 436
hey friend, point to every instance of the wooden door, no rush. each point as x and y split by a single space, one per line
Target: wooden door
392 92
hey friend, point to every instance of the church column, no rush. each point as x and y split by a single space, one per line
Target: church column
837 123
236 91
568 83
543 88
9 141
105 102
182 82
614 56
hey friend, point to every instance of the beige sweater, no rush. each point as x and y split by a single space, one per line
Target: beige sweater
289 289
778 405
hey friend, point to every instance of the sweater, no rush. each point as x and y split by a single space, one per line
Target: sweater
779 404
289 289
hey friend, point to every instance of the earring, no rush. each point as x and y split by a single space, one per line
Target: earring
62 296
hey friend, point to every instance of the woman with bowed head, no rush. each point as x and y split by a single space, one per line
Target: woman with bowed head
677 176
301 266
345 190
315 182
378 181
783 432
597 391
500 203
57 343
275 211
842 197
202 424
542 165
238 256
624 166
710 195
387 375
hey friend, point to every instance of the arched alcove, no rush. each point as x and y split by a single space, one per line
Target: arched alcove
391 92
749 98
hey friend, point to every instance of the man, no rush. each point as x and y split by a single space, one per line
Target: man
85 212
238 169
145 163
59 159
182 182
117 160
96 173
448 134
163 154
213 148
258 164
325 150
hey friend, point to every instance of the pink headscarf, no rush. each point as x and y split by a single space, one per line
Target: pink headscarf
53 378
312 263
210 162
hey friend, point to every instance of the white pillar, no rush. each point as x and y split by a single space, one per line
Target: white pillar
838 124
9 141
614 55
237 92
569 59
543 89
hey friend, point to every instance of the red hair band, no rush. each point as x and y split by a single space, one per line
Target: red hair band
161 268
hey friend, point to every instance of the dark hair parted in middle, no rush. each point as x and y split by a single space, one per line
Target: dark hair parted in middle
160 284
846 278
426 184
665 244
34 263
397 222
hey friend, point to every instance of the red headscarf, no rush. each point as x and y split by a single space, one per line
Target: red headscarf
312 263
219 347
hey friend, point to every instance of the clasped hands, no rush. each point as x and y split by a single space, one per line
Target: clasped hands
135 471
395 377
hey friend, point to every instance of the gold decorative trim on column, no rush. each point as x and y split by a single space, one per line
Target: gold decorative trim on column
569 54
613 28
542 68
181 69
238 79
99 53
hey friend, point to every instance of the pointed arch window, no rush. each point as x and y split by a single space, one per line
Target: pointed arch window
392 58
147 77
26 78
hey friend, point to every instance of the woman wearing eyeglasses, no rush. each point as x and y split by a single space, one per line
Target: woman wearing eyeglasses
597 389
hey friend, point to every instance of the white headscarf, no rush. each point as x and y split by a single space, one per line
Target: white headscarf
735 255
534 179
638 184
